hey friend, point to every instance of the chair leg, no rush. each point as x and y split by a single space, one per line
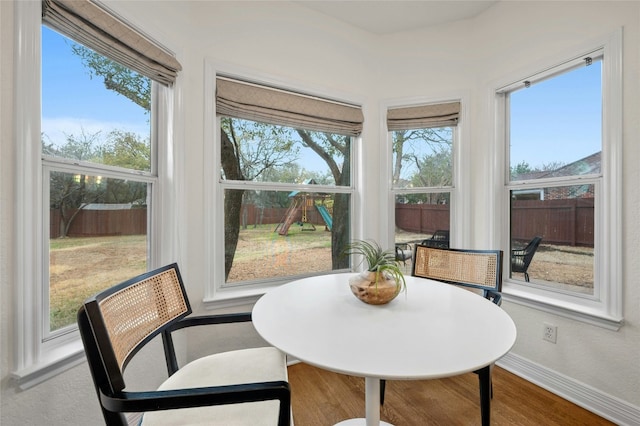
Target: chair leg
383 383
486 389
526 276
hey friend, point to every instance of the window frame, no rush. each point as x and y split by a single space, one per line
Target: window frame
37 355
604 308
217 293
460 162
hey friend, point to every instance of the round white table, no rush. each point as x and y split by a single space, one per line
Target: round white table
432 330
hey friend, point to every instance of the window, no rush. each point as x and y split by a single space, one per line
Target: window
562 184
285 184
89 172
97 162
422 157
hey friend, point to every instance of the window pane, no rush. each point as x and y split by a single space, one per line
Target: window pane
556 125
283 234
421 218
564 217
93 109
98 238
422 158
258 152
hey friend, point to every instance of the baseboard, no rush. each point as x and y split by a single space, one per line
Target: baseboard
585 396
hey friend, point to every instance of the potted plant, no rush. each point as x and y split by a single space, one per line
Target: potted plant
383 279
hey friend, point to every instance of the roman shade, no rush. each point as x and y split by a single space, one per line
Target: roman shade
89 24
424 116
255 102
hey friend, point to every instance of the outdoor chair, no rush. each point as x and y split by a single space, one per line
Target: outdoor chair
404 252
476 269
521 259
243 387
439 239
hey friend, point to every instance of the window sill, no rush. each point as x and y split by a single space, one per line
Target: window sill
55 362
590 313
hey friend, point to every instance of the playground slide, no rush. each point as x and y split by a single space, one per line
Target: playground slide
326 216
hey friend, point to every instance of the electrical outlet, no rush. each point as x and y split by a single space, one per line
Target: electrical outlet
550 333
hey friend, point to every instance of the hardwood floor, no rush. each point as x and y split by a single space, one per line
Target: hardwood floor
323 398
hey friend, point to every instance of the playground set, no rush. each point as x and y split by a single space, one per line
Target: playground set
301 203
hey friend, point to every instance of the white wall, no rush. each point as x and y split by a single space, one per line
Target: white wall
285 41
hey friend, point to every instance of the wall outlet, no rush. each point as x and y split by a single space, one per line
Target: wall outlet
550 333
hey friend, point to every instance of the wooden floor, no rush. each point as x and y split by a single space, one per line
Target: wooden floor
323 398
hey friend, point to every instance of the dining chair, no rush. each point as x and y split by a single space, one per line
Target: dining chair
404 252
440 238
241 387
521 258
476 269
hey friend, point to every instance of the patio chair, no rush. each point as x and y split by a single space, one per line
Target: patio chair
404 252
521 259
241 387
439 239
476 269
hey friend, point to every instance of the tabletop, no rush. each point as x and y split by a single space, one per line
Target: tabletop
430 331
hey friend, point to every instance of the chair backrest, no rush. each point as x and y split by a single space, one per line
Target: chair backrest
481 269
522 258
119 321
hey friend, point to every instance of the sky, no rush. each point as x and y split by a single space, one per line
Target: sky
72 102
552 121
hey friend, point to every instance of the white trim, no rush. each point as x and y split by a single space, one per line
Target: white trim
459 199
604 308
217 293
38 356
581 394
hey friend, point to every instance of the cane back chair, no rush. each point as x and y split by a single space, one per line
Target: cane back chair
476 269
243 387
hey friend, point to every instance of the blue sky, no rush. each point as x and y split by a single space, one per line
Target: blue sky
552 121
558 120
72 102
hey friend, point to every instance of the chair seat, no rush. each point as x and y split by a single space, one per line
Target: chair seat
229 368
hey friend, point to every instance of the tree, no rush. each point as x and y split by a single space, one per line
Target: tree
116 77
71 193
328 146
241 158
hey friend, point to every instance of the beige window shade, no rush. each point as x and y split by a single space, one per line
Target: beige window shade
90 25
422 117
267 105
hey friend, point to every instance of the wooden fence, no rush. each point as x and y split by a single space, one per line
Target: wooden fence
94 223
566 222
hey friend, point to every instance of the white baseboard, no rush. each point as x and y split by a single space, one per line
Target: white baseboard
587 397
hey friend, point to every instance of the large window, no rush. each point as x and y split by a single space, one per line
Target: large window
96 146
285 183
562 185
88 125
422 158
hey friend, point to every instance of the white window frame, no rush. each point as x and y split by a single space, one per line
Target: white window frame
604 309
460 162
37 355
219 294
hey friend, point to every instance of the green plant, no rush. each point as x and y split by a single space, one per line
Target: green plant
382 262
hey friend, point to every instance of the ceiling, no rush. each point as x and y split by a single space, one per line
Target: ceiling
391 16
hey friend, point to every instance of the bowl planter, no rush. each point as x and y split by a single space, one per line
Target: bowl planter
383 280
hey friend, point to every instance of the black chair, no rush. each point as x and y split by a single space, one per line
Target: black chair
521 259
404 252
439 239
476 269
243 387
